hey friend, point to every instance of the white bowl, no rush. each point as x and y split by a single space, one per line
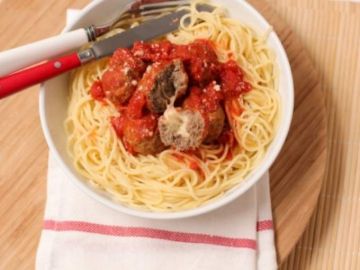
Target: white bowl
54 102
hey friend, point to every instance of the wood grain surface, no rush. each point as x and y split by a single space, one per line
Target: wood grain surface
296 176
329 30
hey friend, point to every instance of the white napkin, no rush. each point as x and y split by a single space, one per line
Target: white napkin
80 233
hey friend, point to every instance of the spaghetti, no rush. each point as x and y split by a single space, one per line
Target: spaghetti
172 180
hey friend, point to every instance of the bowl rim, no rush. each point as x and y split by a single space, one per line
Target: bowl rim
236 192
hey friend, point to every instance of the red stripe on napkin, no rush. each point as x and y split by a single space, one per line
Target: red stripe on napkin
195 238
264 225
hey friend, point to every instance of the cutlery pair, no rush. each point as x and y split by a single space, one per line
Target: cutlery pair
18 58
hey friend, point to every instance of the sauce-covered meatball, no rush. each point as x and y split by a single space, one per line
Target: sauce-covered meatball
200 119
216 121
120 80
141 136
182 129
138 131
208 102
161 82
200 60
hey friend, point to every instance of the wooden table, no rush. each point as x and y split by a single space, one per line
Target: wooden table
329 30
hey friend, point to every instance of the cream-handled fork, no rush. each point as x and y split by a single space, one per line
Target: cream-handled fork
25 56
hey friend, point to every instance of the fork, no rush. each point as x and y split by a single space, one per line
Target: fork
27 55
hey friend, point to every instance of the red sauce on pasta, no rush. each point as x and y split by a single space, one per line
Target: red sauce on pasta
97 91
131 74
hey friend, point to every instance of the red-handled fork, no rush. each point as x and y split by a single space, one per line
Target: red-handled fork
34 75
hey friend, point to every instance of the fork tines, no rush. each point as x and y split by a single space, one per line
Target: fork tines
149 8
156 7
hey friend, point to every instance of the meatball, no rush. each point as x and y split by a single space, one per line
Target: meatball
147 146
161 82
154 51
120 80
125 59
141 136
201 61
182 129
208 103
118 84
215 125
137 129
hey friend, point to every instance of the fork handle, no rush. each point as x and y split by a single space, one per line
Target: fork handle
31 76
24 56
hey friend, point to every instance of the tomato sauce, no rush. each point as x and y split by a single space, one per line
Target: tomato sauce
178 157
118 124
199 57
133 131
235 108
97 92
201 61
135 108
126 59
134 124
193 153
142 128
194 165
232 80
154 52
211 85
207 100
228 138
